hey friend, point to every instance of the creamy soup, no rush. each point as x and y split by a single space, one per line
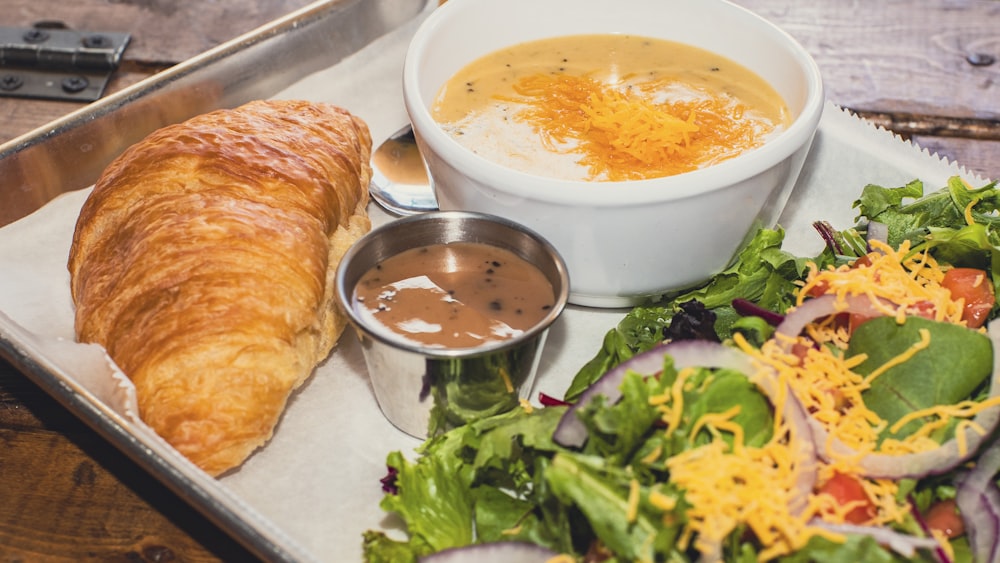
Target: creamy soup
456 295
608 107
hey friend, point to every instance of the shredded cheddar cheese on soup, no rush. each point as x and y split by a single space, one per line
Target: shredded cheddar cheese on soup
626 133
608 107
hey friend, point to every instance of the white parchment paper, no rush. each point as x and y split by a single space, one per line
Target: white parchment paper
316 484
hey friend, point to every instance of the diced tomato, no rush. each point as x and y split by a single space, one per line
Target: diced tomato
855 320
943 516
818 290
800 350
846 489
862 262
976 288
924 309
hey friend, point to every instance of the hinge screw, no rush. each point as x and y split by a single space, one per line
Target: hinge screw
36 35
10 82
75 84
96 42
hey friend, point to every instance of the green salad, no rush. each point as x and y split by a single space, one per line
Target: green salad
837 407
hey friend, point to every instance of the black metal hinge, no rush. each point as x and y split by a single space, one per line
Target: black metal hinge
58 64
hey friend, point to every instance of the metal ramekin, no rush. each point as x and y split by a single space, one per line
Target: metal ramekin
425 390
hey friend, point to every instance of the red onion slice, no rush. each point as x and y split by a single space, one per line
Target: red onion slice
939 551
494 552
903 544
808 470
978 500
877 232
571 431
797 319
980 508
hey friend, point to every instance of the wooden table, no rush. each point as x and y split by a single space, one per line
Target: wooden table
929 71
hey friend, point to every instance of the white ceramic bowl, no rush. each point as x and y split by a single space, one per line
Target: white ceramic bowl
623 242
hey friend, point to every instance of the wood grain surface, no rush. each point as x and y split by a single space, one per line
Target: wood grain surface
921 69
163 33
68 495
928 70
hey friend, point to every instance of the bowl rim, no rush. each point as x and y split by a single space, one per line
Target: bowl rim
798 134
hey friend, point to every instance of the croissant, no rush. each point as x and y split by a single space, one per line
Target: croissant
204 262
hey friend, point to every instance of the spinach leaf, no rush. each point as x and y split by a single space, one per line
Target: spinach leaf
948 370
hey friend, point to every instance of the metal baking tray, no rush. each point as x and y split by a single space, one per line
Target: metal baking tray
306 53
69 154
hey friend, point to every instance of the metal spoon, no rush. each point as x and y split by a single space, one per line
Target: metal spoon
399 178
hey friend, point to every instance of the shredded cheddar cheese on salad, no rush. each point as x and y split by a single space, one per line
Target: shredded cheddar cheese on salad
673 405
899 285
728 487
897 282
724 483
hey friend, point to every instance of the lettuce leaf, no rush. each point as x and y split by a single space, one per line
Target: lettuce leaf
937 221
503 478
763 273
438 513
601 492
944 208
476 482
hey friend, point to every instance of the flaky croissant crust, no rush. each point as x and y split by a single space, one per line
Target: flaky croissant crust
204 262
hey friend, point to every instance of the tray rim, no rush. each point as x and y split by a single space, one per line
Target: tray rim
62 155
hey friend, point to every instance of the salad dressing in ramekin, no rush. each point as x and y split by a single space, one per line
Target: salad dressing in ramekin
456 295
